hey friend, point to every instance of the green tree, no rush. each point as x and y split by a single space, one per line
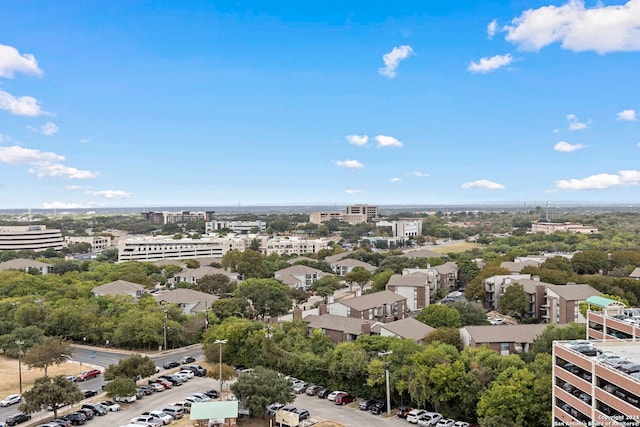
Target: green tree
228 373
132 367
268 296
543 343
449 336
216 284
514 301
359 276
327 285
50 351
440 316
380 280
470 313
260 388
120 387
558 263
250 264
230 307
590 262
53 392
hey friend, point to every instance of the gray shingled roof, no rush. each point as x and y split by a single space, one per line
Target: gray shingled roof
410 280
422 253
332 322
529 285
635 274
376 299
298 270
337 257
21 264
118 287
447 268
200 300
574 292
516 267
350 262
200 272
504 333
408 328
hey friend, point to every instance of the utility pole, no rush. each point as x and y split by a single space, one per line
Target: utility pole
386 377
220 362
164 328
19 343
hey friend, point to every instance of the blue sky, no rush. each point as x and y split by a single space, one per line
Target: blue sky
149 103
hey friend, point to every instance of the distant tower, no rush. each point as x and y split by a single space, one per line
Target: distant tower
547 213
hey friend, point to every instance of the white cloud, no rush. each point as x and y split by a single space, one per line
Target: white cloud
492 28
22 106
111 194
11 62
76 187
392 60
47 129
601 29
419 174
350 164
486 64
63 205
395 180
1 138
42 163
353 191
574 123
387 141
600 181
359 140
565 147
483 184
85 140
627 115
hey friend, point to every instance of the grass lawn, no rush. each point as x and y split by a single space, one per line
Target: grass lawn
10 380
456 247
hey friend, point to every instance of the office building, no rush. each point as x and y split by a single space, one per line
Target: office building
30 237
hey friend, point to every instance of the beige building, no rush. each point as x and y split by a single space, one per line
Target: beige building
504 339
30 237
97 243
566 227
324 216
162 247
26 265
369 210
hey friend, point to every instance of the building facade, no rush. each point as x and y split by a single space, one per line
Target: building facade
180 217
236 226
30 237
363 209
157 248
324 216
566 227
98 243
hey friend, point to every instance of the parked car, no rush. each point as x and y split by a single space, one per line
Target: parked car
343 399
17 418
366 404
162 416
87 413
146 389
197 370
303 414
323 393
175 411
165 382
213 394
187 372
202 396
332 396
300 387
185 406
173 379
183 377
171 365
62 422
587 350
404 410
429 419
76 418
147 420
111 406
97 408
445 422
126 399
415 415
630 369
89 393
461 424
157 387
187 359
88 375
312 390
273 408
378 408
12 399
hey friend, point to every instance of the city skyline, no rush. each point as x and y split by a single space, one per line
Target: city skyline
240 103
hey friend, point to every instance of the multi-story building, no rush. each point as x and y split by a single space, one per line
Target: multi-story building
324 216
590 390
368 210
30 237
258 226
163 247
404 228
26 265
180 217
382 306
291 245
566 227
98 243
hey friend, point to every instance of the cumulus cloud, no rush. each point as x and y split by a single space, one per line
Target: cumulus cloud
486 64
395 180
359 140
600 29
392 60
627 115
600 181
42 163
492 28
350 164
111 194
20 106
47 129
76 187
353 191
63 205
419 174
483 184
387 141
565 147
574 123
11 62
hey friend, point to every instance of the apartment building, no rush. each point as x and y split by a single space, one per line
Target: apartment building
180 217
382 306
369 210
26 265
30 237
416 287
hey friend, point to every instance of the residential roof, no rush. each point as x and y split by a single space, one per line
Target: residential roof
164 262
411 280
574 292
337 257
350 262
214 410
375 299
422 253
200 300
298 270
516 267
603 302
118 287
332 322
408 328
200 272
635 274
21 264
288 279
447 268
504 333
529 285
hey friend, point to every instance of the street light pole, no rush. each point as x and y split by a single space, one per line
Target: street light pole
386 378
19 343
164 328
220 342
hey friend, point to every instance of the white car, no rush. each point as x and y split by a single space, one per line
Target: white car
461 424
415 415
203 397
186 372
147 420
12 399
111 406
126 399
429 419
445 422
332 396
161 416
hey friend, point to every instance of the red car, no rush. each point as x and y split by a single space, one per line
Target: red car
343 399
88 375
